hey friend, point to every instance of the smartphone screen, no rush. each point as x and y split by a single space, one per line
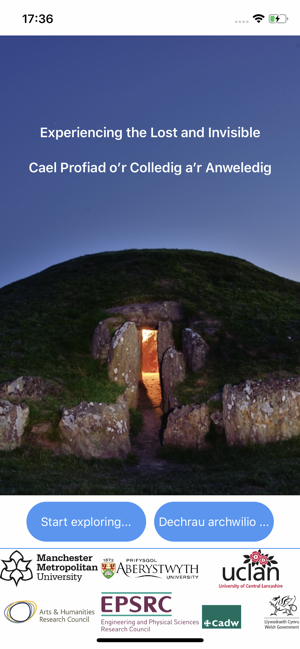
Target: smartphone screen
149 324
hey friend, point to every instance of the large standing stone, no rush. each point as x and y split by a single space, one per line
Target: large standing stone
101 342
13 419
172 372
101 338
164 339
195 349
124 360
28 387
150 313
97 430
187 427
262 411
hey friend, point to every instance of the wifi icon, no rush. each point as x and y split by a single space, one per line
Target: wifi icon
258 17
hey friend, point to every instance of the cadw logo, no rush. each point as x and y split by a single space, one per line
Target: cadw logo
222 617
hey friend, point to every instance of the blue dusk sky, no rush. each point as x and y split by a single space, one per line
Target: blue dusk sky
144 82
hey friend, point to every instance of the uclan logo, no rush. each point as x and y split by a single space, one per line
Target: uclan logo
260 567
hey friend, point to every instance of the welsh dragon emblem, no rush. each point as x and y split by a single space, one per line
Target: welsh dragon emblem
284 605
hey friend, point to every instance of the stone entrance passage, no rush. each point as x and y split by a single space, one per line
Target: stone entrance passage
149 400
142 338
146 444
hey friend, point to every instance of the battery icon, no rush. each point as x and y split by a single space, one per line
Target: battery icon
277 18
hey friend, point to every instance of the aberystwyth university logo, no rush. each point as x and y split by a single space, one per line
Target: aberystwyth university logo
108 569
138 568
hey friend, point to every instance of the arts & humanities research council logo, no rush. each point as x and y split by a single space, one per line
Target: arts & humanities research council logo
21 611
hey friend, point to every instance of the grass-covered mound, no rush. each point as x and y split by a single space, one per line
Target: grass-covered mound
249 317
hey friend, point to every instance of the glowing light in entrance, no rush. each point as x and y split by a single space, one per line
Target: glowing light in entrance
149 351
146 333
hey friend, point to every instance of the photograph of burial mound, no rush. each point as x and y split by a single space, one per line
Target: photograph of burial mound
150 372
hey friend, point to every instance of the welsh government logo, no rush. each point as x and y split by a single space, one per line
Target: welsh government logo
21 611
108 569
16 568
283 605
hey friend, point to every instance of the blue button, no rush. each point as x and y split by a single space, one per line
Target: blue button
86 521
214 521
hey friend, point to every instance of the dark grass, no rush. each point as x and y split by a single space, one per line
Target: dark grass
136 422
250 319
269 470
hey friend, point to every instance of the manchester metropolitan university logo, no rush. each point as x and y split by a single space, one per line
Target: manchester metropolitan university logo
16 568
108 569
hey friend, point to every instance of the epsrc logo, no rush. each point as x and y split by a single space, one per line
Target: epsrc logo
134 603
221 617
